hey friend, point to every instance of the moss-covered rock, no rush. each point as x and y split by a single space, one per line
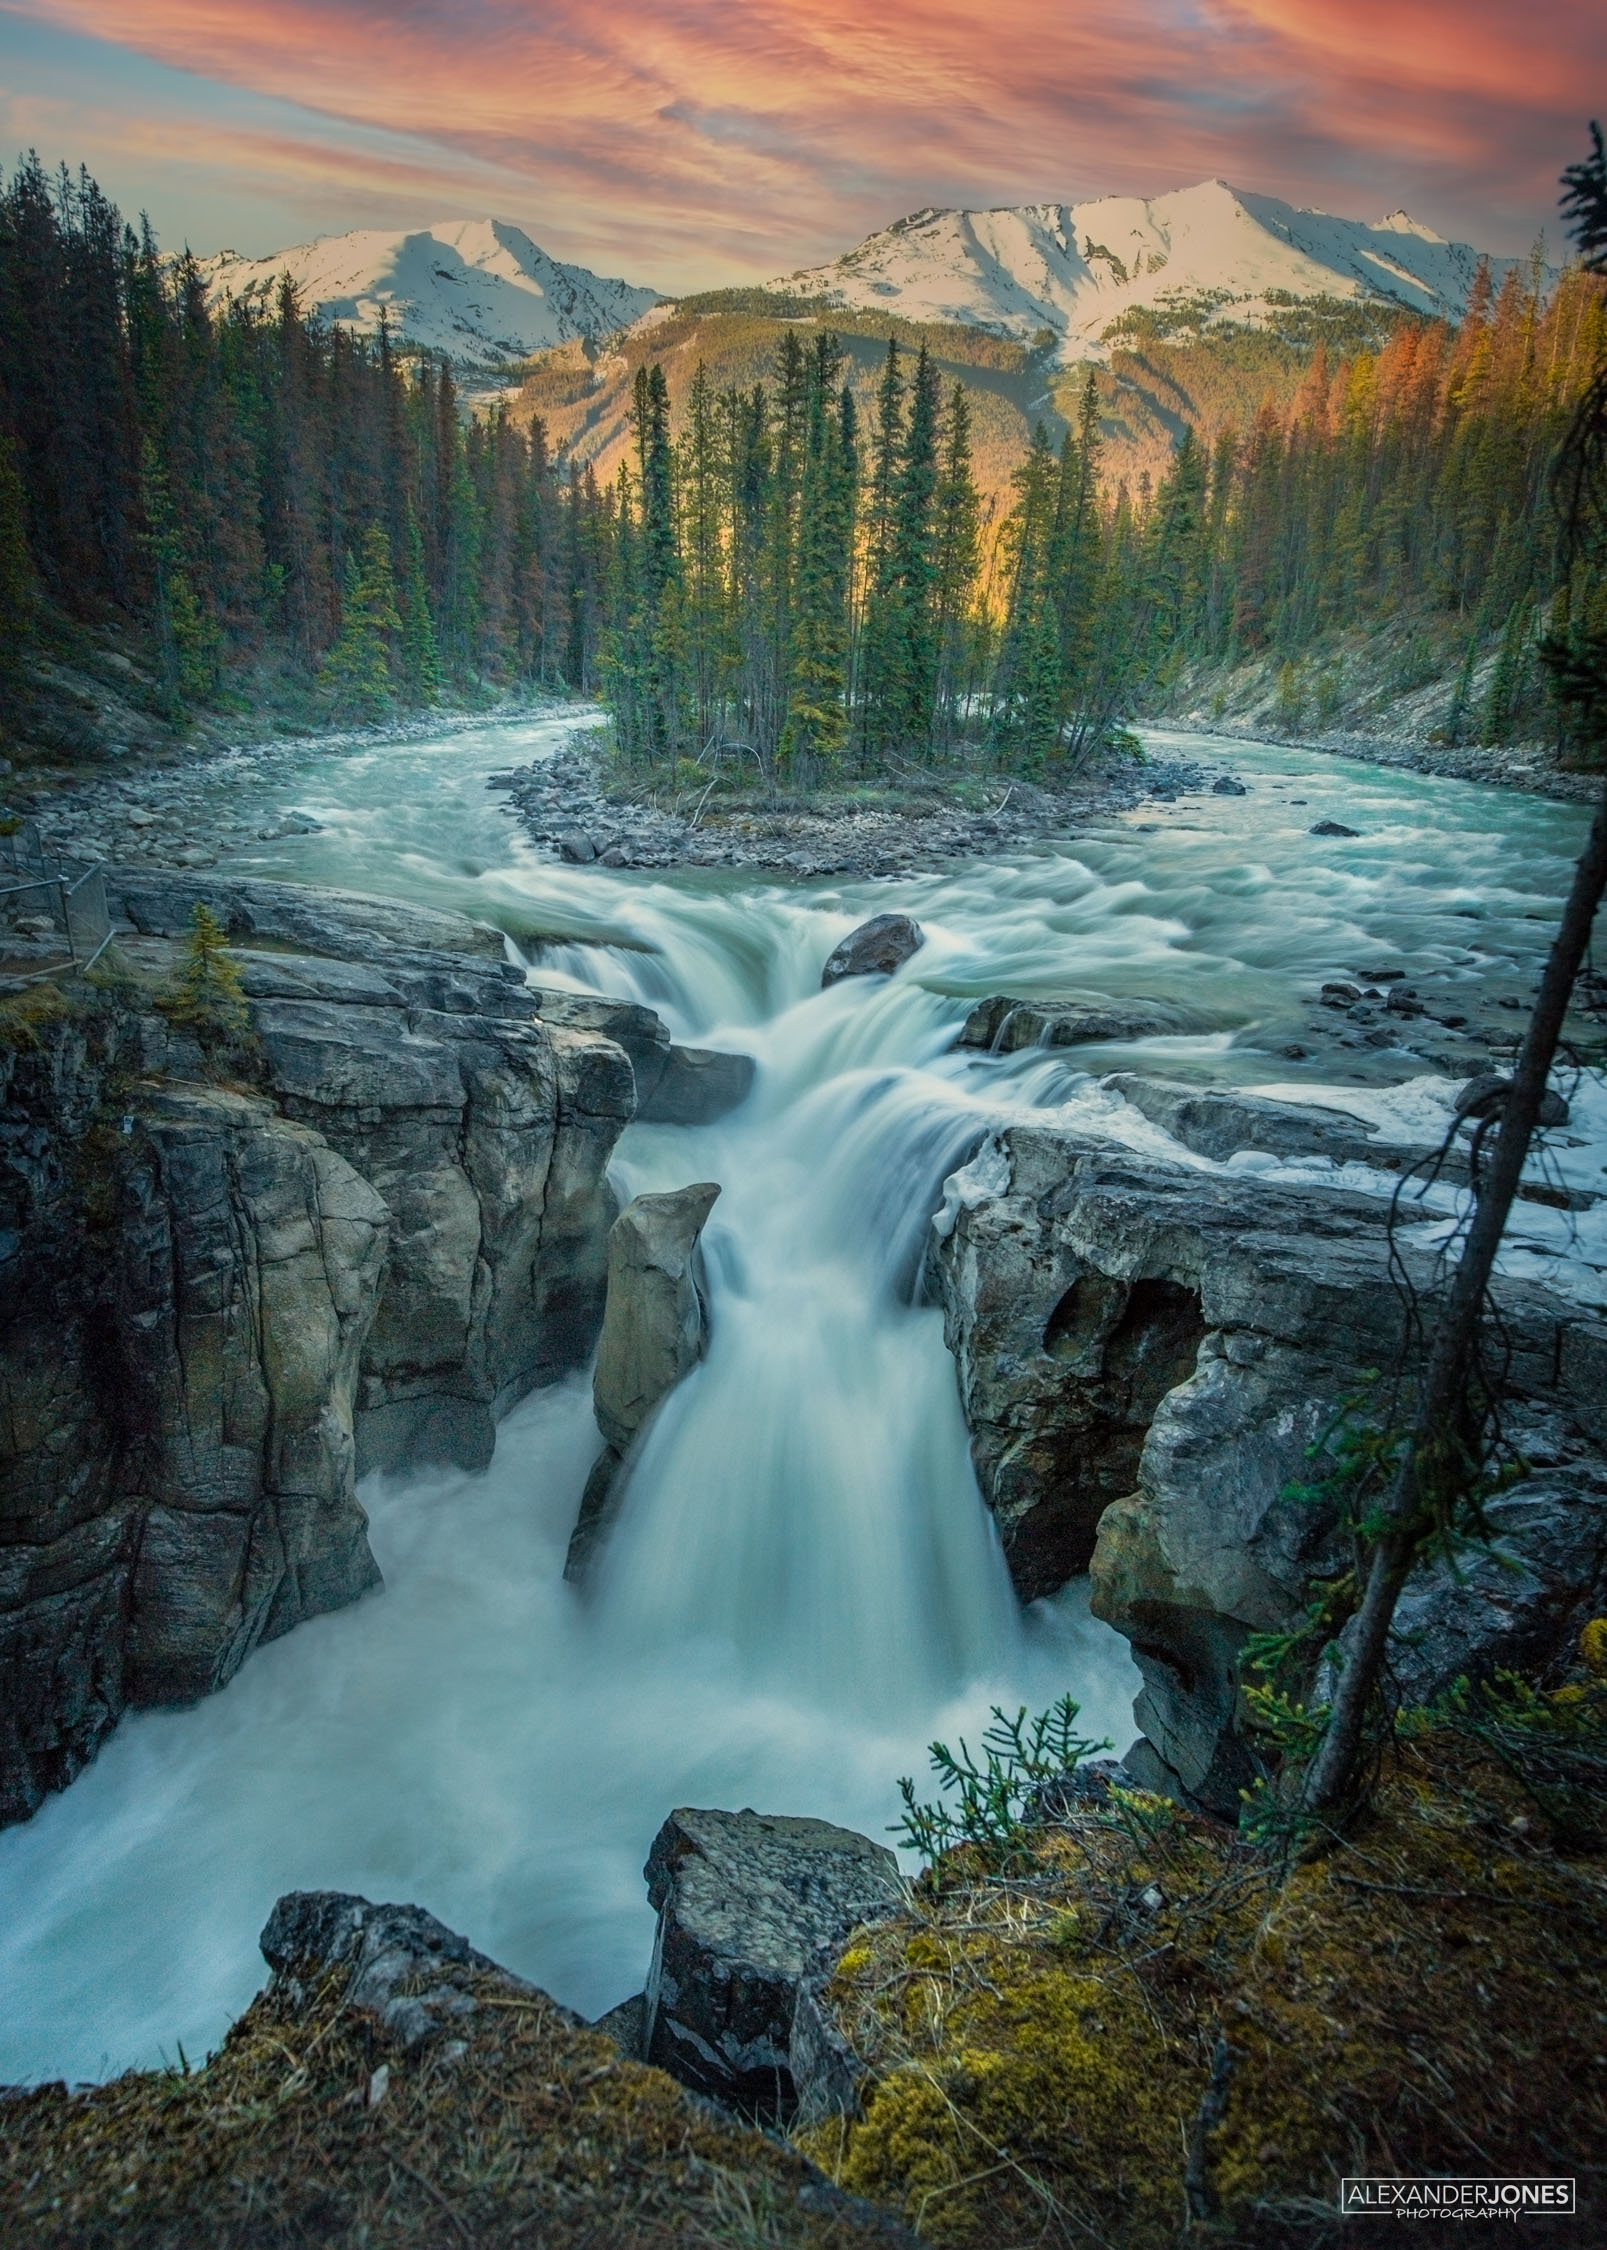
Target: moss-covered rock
1159 2027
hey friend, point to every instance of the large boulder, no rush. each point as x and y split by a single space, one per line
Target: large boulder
875 949
654 1328
1119 1320
748 1904
696 1086
1002 1024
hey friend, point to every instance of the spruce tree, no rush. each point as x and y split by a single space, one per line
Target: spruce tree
956 534
420 661
360 667
816 727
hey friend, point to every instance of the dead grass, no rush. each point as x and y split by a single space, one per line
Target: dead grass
310 2127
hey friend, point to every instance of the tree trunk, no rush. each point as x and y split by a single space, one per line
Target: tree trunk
1437 1452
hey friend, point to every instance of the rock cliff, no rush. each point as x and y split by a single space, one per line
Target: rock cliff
1146 1351
219 1304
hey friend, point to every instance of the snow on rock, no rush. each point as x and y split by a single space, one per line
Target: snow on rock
477 290
1075 268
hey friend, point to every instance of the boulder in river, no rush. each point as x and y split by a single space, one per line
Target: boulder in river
1225 785
696 1086
1003 1024
876 948
747 1904
1331 828
653 1334
1485 1096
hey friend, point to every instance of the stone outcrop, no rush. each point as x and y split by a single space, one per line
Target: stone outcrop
748 1903
219 1305
1147 1353
417 1978
343 925
875 949
185 1305
1002 1025
654 1330
489 1138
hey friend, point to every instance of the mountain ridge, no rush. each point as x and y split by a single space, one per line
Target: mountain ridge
479 292
1077 270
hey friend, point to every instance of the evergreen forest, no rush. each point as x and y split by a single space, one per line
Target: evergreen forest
776 573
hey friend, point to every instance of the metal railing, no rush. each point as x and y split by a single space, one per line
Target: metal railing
76 903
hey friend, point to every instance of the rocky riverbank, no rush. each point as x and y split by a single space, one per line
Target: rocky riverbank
191 804
582 811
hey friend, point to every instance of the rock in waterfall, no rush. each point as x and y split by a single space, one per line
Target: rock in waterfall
875 949
654 1327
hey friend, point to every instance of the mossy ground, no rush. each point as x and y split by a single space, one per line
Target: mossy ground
1426 1994
537 2135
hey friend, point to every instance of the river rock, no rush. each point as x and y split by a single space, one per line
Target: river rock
1116 1317
1003 1024
876 948
415 1976
1331 828
696 1086
1218 1124
654 1328
1226 786
1485 1096
747 1904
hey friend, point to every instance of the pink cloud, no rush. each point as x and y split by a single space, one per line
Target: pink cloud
709 138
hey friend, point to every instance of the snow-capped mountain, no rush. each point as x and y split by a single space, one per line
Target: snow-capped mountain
476 289
1074 268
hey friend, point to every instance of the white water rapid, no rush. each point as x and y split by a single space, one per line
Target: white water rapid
803 1588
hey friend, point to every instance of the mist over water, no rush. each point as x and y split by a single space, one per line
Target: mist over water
803 1587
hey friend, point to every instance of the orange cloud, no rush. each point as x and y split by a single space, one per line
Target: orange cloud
697 139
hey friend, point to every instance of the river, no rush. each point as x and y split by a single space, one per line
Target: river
804 1588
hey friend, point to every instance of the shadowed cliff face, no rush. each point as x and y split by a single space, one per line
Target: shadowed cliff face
1146 1353
220 1302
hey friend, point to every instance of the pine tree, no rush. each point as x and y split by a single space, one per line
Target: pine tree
956 534
360 667
816 728
19 588
420 661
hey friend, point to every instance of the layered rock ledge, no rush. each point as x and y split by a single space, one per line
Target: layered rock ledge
1147 1352
223 1302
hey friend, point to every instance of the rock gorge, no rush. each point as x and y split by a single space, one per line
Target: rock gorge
224 1303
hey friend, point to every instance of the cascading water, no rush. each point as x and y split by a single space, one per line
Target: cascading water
802 1587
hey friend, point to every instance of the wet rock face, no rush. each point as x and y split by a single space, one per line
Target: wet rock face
489 1139
876 948
217 1308
654 1330
1070 1274
177 1460
747 1904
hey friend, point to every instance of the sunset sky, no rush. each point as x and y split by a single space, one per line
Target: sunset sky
692 142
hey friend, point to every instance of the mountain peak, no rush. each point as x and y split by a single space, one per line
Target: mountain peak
479 292
1076 268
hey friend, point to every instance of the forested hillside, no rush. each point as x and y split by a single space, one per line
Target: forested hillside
825 548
